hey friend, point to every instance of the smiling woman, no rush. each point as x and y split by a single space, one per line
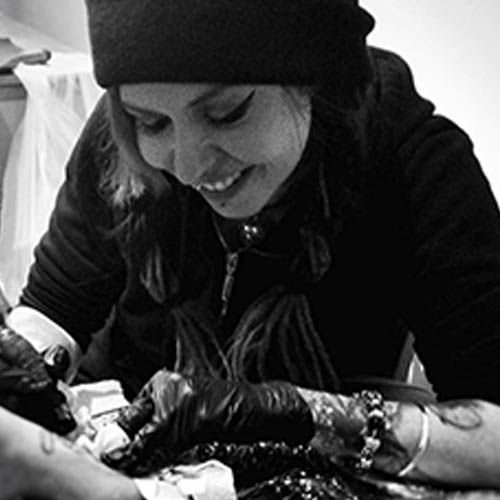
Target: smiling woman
235 144
260 215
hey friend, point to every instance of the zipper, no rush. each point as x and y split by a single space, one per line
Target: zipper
231 265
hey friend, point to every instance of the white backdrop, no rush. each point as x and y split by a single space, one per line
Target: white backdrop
60 97
454 51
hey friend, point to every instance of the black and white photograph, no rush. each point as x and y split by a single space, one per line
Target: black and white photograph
249 250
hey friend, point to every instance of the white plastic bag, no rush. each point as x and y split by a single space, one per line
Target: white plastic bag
60 96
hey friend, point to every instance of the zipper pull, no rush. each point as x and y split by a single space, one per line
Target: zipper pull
231 264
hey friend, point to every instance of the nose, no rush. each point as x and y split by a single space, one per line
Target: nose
194 154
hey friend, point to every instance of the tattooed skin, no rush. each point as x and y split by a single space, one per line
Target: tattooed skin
49 443
339 421
461 413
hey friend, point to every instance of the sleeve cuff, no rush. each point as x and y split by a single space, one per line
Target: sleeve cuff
42 333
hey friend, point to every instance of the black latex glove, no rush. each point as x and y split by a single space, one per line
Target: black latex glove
155 402
28 385
219 411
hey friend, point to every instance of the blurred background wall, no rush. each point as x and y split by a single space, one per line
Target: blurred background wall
451 45
454 51
60 19
55 24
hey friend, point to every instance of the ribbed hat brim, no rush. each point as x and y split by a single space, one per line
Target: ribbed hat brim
230 41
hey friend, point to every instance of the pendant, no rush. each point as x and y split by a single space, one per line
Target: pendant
250 233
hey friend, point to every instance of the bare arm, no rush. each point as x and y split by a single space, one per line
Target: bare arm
464 443
463 447
35 463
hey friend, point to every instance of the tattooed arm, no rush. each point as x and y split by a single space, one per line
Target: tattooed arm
464 437
464 443
35 463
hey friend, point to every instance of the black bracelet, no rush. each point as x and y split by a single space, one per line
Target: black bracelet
377 424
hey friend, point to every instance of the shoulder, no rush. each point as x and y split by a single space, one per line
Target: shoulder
410 134
394 101
82 199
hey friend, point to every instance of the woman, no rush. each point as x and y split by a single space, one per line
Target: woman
268 207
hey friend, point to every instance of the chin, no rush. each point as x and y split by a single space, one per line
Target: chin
236 213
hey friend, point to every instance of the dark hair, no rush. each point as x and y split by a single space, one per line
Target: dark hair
131 177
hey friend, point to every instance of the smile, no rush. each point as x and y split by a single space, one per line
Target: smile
220 185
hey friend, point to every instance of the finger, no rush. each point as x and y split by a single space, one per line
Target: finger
168 390
57 361
16 350
135 460
41 409
121 459
64 421
50 410
13 379
63 416
20 381
110 437
16 379
151 440
135 416
161 377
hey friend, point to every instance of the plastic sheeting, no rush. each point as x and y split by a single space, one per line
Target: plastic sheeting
60 97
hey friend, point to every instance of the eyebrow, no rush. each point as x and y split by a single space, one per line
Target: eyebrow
139 109
210 93
205 96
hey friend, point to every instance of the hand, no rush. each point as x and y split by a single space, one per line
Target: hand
219 411
28 386
155 402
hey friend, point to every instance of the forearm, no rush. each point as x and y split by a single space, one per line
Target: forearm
464 443
463 446
44 465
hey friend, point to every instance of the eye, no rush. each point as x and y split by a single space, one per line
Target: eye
152 126
235 114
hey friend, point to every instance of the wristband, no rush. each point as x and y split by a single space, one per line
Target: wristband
422 444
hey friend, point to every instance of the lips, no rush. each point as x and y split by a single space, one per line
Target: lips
221 184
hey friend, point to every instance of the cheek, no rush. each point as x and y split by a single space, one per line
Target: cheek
155 152
278 139
262 145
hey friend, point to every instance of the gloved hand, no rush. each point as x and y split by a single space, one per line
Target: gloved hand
218 410
155 402
28 385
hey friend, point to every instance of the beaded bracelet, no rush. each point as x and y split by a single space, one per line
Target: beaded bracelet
377 424
422 444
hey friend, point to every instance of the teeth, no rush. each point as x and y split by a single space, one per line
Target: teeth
221 185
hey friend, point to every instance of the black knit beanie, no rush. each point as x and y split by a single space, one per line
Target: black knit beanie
290 42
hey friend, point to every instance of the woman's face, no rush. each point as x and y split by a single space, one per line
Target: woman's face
235 144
